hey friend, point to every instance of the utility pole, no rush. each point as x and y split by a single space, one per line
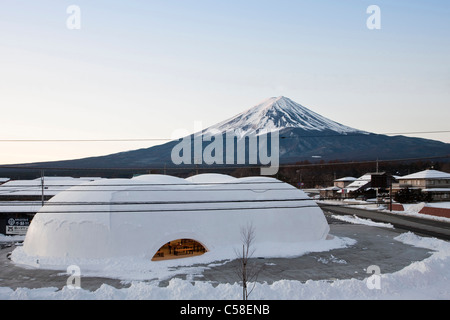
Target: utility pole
42 187
390 196
377 187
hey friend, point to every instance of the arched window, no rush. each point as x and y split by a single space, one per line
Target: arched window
180 248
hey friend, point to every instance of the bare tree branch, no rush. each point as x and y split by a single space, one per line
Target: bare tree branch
247 271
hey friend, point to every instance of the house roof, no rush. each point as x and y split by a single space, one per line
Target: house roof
52 186
20 207
360 182
330 189
346 179
426 174
436 190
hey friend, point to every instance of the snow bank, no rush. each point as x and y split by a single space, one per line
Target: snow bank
14 238
358 220
414 210
444 205
414 207
427 279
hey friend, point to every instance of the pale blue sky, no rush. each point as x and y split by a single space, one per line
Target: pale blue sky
143 69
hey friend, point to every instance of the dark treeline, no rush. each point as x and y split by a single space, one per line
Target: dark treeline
305 174
313 175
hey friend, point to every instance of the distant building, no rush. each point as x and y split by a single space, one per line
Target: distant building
330 193
360 184
426 179
436 183
338 190
382 180
344 182
32 190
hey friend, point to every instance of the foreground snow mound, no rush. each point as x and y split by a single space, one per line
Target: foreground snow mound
427 279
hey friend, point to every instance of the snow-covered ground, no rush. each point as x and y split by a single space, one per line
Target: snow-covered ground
427 279
12 238
142 269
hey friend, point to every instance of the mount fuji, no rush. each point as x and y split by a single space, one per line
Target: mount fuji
281 113
303 135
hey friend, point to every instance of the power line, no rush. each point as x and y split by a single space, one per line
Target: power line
416 132
138 184
182 209
74 204
49 192
13 193
131 203
171 139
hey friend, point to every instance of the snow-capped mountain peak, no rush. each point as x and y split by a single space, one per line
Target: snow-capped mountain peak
278 113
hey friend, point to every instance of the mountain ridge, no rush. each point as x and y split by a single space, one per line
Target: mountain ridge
304 135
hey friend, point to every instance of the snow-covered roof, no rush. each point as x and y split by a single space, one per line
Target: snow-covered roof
345 179
436 190
426 174
360 182
20 206
52 186
331 189
113 218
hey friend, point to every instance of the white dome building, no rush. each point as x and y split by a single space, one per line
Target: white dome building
116 218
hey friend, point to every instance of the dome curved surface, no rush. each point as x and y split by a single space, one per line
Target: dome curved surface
211 178
135 217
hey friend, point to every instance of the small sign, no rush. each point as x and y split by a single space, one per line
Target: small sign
17 226
16 230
